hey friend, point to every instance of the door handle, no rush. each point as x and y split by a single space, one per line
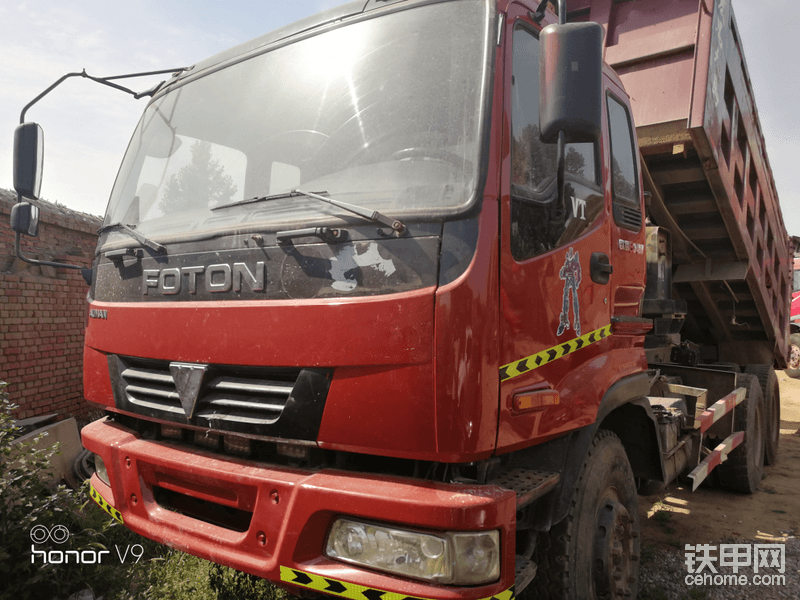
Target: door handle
600 268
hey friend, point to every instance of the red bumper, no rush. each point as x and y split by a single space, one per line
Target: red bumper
292 511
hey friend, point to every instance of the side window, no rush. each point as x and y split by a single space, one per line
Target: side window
539 222
624 179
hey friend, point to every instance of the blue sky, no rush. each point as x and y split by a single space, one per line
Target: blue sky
87 126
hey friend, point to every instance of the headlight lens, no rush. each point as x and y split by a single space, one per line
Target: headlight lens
459 558
100 469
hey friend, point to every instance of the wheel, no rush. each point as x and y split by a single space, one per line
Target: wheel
744 468
793 367
768 380
594 551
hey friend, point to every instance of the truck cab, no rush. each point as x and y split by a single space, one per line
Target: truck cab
366 312
305 369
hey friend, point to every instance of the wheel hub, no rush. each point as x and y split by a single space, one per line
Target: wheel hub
794 357
613 551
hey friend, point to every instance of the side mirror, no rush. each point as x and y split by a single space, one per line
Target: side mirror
571 82
25 218
28 159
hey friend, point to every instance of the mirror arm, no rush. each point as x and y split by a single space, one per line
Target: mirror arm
562 12
560 166
562 146
537 15
105 81
85 272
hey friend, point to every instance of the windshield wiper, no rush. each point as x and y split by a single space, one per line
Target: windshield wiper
129 229
373 215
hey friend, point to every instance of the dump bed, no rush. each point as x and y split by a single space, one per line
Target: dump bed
706 167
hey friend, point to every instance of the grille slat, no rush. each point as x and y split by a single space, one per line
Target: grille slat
176 410
628 217
135 390
234 418
243 404
148 375
246 386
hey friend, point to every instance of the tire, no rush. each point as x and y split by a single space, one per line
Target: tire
793 367
744 468
771 391
594 551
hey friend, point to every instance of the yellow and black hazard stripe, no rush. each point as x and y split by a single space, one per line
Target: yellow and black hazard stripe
95 495
544 357
352 591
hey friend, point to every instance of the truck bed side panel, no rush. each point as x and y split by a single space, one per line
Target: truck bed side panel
706 165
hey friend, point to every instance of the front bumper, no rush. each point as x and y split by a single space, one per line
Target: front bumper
280 517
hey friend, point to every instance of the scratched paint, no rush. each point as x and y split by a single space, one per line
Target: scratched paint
348 259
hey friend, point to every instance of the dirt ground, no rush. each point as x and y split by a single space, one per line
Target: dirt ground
711 514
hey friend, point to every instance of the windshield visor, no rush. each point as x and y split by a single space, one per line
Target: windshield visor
384 113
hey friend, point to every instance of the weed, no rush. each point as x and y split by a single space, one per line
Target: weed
662 517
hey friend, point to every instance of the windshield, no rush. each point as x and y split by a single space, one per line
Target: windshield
384 113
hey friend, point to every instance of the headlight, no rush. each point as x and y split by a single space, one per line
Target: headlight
461 558
100 469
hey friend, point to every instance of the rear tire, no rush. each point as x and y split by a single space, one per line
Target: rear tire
594 551
744 468
793 367
768 380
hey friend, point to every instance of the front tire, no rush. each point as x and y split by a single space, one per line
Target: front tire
594 551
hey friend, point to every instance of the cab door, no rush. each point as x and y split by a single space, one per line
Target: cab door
554 266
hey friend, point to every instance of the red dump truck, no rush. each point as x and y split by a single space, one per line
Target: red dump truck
391 303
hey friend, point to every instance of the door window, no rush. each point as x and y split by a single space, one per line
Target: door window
624 179
539 221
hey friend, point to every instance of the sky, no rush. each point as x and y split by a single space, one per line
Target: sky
87 126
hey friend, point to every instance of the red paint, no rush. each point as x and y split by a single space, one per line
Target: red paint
290 532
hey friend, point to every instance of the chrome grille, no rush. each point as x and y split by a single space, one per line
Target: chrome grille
244 395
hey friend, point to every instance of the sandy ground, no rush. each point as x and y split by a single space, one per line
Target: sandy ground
711 514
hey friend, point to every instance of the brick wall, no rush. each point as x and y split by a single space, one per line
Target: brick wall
43 311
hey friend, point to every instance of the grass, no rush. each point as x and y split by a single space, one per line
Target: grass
662 517
150 571
180 576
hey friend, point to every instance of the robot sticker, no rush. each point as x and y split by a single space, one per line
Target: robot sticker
570 274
